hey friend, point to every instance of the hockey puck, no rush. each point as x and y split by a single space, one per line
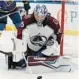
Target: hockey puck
39 77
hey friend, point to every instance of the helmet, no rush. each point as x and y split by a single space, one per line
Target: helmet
40 12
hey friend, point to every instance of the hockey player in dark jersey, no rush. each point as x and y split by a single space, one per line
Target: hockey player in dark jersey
9 8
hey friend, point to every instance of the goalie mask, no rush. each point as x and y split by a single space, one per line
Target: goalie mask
40 13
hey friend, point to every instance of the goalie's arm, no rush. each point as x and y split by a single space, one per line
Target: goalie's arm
54 24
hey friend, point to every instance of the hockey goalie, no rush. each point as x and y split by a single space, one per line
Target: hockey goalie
41 36
42 33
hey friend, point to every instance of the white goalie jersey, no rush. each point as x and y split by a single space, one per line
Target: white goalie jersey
45 37
37 37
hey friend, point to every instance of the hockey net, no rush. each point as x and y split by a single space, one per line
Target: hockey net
69 26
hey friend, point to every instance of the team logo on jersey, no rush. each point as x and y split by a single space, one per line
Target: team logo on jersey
9 2
40 40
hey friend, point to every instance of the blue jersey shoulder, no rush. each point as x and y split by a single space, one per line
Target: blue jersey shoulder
7 6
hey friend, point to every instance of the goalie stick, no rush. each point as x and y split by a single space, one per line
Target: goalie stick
26 60
6 53
11 13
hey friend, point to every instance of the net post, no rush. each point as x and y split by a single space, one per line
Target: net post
62 26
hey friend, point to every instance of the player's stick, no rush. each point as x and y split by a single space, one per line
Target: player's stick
26 60
6 53
8 14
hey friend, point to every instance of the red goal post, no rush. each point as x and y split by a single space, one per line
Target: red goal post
62 26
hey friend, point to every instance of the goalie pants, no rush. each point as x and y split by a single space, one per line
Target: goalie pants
35 53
